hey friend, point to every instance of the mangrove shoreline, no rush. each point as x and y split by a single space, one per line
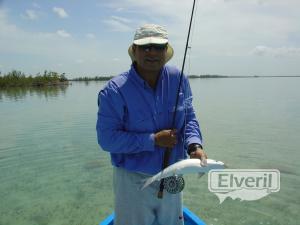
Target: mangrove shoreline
49 78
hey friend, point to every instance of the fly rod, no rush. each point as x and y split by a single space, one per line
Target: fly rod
168 150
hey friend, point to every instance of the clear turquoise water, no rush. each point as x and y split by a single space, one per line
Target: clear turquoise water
52 171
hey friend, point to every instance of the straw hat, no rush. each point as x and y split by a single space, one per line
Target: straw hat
151 34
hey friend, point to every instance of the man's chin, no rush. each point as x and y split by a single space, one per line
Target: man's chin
153 66
153 69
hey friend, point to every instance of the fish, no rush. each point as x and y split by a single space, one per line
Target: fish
184 167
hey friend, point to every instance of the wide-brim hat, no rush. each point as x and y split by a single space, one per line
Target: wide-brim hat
151 34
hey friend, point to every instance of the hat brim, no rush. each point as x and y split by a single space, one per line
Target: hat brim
169 53
150 40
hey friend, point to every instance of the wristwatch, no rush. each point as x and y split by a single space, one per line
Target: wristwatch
193 147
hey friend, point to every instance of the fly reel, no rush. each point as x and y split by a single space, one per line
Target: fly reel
174 184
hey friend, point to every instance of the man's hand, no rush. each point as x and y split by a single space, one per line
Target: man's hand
199 154
166 138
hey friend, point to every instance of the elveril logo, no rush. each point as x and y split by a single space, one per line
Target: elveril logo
243 184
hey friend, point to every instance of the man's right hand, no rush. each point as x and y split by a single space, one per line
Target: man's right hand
166 138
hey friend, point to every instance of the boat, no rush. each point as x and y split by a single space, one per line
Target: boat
189 218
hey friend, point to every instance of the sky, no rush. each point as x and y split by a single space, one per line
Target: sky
91 38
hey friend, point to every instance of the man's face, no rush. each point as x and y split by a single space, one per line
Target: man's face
150 57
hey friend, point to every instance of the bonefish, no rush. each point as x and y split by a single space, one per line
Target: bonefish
184 167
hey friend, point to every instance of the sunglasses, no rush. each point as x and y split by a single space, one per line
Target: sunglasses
156 47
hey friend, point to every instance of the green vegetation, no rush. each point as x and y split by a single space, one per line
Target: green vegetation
97 78
49 78
18 79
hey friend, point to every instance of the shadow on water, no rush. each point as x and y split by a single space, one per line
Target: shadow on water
20 93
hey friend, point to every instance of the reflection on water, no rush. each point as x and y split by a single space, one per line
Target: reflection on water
19 93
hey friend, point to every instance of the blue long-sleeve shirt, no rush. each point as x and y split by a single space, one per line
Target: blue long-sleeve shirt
131 112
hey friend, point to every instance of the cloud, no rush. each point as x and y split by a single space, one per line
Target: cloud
31 14
223 31
60 12
35 5
63 33
90 36
259 2
168 8
260 50
51 51
119 9
117 23
7 30
275 52
79 61
121 19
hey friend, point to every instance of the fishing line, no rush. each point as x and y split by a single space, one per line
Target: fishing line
188 72
167 152
192 40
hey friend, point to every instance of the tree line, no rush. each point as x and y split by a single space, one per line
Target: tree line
97 78
19 79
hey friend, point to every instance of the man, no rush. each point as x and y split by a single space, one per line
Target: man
134 124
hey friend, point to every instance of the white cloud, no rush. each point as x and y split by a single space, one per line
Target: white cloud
31 14
90 36
60 12
51 51
259 2
225 33
7 30
79 61
63 33
117 23
168 8
121 19
260 50
120 9
35 5
275 52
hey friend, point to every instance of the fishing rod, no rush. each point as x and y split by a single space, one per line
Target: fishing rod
168 150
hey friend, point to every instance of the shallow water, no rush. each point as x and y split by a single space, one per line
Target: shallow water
52 171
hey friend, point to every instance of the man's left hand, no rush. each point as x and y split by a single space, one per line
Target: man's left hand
199 154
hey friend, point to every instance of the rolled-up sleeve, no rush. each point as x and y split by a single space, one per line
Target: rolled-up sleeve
111 133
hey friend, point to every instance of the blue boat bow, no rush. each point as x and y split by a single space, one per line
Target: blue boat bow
189 218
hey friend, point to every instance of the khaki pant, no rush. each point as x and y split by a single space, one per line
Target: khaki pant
142 207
